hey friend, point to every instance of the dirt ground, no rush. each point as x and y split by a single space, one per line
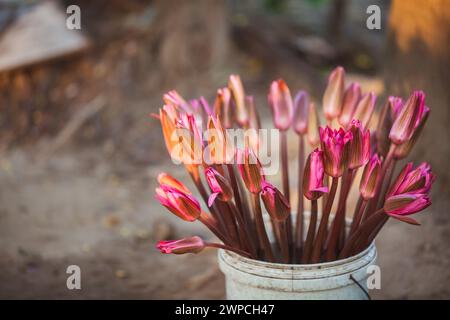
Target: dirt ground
91 203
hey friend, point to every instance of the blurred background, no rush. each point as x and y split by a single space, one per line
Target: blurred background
79 154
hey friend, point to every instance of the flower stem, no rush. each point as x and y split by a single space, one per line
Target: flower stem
357 216
318 243
299 221
262 234
243 232
285 176
226 247
210 223
311 232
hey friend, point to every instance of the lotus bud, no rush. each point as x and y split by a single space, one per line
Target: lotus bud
334 144
403 150
301 109
183 205
387 117
250 169
238 96
167 180
401 205
334 93
370 177
408 118
365 108
254 124
222 107
313 126
186 245
280 101
411 180
358 146
219 148
349 103
174 99
313 174
275 202
219 185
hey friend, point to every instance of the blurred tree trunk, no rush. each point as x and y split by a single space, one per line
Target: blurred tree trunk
419 58
190 39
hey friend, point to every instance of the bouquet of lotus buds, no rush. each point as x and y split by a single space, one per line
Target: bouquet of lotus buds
237 183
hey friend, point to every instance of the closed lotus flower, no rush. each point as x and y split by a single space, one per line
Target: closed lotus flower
238 96
219 185
182 246
313 187
334 144
222 107
219 148
408 118
349 103
401 205
365 108
388 114
165 179
313 126
334 93
183 205
275 202
281 104
358 146
370 176
411 180
301 110
250 169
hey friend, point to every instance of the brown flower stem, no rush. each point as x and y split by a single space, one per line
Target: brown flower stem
244 233
226 247
362 232
262 234
374 201
339 218
363 243
300 206
311 233
385 189
211 224
284 245
285 176
357 216
318 243
230 223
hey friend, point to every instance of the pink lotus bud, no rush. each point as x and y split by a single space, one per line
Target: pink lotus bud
301 109
313 187
370 176
411 180
334 93
238 95
280 101
349 103
388 115
219 185
359 146
275 202
167 180
186 245
364 109
183 205
313 126
334 144
401 205
173 98
408 118
403 150
250 169
222 107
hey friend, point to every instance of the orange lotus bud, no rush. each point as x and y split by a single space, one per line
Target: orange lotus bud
250 169
168 180
334 92
313 126
238 96
222 107
364 109
349 103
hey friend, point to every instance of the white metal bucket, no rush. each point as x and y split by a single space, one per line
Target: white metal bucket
253 279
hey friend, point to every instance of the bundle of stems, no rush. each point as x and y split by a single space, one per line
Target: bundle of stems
237 183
